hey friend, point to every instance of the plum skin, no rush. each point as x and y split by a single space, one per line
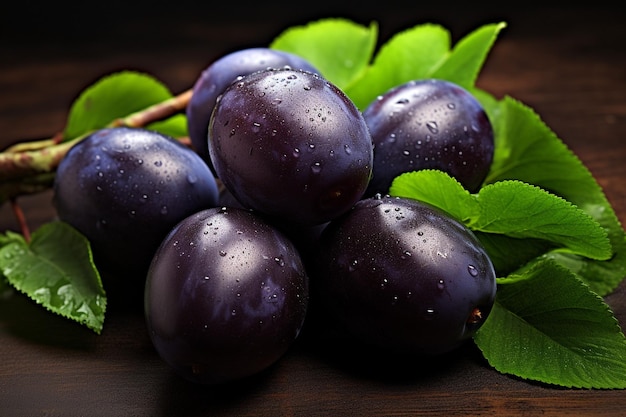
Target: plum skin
226 295
222 72
401 275
125 188
429 124
291 145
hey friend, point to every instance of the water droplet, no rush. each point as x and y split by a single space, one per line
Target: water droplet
222 253
441 285
233 313
347 149
353 265
432 126
280 261
429 314
296 153
451 106
316 168
403 101
472 270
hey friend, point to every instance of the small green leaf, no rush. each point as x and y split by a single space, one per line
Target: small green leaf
56 270
438 189
548 326
114 96
468 56
510 208
521 210
339 48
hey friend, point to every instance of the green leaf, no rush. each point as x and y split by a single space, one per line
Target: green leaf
526 149
421 52
510 208
438 189
114 96
468 56
411 54
508 254
548 326
56 270
339 48
521 210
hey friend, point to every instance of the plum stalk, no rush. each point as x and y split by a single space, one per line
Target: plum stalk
29 167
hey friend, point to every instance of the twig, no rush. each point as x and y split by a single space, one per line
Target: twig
21 219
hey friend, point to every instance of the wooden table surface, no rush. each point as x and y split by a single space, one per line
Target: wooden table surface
568 64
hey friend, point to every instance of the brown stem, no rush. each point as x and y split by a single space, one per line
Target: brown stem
156 112
21 219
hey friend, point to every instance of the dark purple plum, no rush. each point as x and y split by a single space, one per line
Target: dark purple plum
400 275
125 188
221 73
290 145
226 296
429 124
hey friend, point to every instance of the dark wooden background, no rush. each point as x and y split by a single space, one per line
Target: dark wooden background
568 63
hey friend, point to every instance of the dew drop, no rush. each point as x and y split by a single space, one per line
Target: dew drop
429 314
316 168
472 270
432 126
353 265
222 253
441 285
347 149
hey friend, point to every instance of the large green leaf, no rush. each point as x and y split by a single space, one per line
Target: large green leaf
548 326
424 51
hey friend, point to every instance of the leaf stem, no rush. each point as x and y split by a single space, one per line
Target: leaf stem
21 219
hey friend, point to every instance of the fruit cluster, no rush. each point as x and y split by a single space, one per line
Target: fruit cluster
302 214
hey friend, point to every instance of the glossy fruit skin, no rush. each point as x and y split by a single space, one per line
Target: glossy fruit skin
426 124
401 275
125 188
226 296
291 145
220 74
